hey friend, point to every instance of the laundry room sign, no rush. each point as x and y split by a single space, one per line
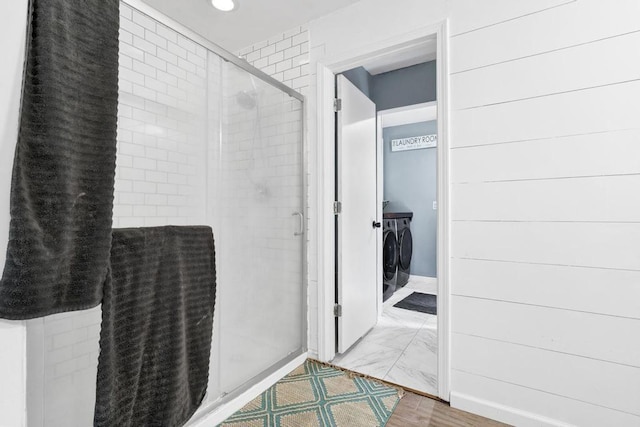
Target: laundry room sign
414 143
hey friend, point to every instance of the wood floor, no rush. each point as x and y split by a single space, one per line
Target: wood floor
419 411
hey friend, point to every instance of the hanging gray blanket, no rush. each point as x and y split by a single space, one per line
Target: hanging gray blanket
63 172
157 320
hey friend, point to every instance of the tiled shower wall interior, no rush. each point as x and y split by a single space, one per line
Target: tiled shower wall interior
199 142
259 191
285 57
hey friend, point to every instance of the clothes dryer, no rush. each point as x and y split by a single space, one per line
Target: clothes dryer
389 258
405 249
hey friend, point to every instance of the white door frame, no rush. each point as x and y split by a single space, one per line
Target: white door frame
325 132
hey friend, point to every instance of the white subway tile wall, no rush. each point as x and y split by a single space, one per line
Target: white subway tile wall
160 179
162 126
285 57
171 127
70 350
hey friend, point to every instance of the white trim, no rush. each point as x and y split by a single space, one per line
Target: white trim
326 185
379 199
304 210
356 57
416 113
444 218
224 411
502 413
325 197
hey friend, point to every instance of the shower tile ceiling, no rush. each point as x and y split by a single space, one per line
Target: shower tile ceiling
252 21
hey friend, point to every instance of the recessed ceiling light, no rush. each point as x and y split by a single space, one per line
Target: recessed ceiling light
224 5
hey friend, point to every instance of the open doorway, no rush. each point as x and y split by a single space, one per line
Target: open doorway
386 176
381 357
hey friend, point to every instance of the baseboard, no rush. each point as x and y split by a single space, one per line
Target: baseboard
501 413
222 412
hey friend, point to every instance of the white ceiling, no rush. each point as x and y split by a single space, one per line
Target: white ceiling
252 21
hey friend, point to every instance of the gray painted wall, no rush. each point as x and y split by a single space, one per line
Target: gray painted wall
406 86
410 180
361 79
398 88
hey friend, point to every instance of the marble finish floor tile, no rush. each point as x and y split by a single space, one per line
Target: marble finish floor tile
404 317
417 366
421 354
403 346
371 359
392 334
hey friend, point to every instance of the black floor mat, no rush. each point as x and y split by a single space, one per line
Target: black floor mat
425 303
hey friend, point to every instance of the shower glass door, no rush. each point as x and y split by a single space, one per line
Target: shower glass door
200 141
255 205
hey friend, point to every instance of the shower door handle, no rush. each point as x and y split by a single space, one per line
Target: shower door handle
300 231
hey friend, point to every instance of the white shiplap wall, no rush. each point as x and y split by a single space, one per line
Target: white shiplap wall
545 165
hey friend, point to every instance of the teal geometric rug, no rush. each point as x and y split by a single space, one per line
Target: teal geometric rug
317 395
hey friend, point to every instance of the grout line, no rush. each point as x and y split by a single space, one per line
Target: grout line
513 19
544 391
545 306
545 52
412 339
549 350
613 175
387 305
548 264
493 104
519 221
546 138
394 364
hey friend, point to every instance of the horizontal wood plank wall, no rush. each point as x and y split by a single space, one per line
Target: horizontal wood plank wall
549 408
562 374
545 172
472 15
592 155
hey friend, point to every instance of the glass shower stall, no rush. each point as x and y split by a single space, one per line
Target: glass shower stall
203 138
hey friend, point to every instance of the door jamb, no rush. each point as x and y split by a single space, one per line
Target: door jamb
326 69
379 199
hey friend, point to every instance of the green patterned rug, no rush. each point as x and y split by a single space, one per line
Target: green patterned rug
317 395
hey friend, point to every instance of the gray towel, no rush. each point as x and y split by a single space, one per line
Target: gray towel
157 320
64 165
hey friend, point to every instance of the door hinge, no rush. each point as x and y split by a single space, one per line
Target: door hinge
337 207
337 104
337 310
